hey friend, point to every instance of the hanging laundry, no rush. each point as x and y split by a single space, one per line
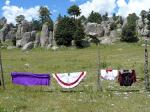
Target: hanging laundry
30 79
109 74
126 77
69 80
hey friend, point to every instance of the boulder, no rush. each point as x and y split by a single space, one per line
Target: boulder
26 38
145 32
3 32
107 31
140 24
50 37
115 35
28 46
11 47
49 46
25 26
18 43
44 39
37 40
33 35
105 40
94 29
54 48
18 33
124 23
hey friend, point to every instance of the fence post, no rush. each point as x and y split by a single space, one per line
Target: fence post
98 74
146 67
1 68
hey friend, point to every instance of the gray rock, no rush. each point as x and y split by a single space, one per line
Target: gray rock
49 46
18 43
50 37
25 26
140 24
3 32
104 24
107 31
26 38
33 35
11 47
44 39
28 46
11 34
115 35
124 23
54 48
37 40
94 29
145 32
106 40
18 33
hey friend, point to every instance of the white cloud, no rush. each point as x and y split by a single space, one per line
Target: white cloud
11 11
101 6
134 6
7 2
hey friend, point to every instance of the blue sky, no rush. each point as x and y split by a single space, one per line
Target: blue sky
12 8
56 6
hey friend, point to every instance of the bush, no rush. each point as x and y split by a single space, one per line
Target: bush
129 33
65 31
94 17
79 35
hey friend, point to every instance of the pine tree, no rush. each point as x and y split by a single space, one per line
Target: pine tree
65 31
129 30
94 17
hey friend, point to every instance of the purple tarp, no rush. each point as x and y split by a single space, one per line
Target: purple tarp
30 79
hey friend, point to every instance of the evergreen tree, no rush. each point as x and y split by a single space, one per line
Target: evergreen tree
129 30
74 11
105 17
37 25
65 31
59 17
83 19
45 17
79 34
20 18
94 17
148 23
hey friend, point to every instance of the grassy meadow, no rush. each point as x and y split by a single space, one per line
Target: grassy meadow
85 97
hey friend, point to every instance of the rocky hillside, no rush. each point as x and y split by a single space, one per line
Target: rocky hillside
23 36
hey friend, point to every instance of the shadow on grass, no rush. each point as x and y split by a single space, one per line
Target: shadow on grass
121 90
71 91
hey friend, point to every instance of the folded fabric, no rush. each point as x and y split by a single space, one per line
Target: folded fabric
69 80
30 79
109 74
126 77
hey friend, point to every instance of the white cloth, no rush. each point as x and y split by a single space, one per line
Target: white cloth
69 80
109 74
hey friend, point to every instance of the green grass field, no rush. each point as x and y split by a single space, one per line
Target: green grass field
85 97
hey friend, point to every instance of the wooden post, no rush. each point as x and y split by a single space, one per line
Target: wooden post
98 74
1 67
146 67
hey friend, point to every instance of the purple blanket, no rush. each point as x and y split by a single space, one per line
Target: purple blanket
30 79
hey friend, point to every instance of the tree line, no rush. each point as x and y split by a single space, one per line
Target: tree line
71 28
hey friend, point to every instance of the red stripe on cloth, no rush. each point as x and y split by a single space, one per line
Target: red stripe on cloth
69 84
